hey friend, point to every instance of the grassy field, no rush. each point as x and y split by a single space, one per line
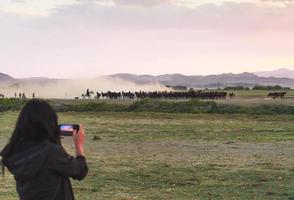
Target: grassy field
178 156
260 93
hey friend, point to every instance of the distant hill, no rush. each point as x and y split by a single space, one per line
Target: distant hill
279 73
221 80
196 81
5 77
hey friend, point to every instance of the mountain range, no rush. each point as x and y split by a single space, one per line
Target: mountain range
279 73
5 77
221 80
283 77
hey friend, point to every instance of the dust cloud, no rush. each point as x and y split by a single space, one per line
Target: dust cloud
71 88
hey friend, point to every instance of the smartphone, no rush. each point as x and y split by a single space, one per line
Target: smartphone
67 129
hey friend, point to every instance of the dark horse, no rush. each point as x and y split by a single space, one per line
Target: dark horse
275 95
87 94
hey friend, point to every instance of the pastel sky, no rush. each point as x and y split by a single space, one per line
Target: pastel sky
88 38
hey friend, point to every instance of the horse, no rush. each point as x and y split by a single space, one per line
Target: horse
87 94
275 95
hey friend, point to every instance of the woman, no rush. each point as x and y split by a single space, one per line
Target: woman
36 158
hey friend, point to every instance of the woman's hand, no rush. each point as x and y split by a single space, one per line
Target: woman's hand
79 139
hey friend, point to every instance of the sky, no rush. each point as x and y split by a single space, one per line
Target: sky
89 38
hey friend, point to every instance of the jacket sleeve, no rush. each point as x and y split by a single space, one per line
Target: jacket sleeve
65 165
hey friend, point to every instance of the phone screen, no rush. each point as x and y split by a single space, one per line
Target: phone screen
67 129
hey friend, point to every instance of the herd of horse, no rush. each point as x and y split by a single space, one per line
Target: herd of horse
191 94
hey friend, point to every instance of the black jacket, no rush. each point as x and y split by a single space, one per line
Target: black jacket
42 170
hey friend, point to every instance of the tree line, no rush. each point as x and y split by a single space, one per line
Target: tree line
257 87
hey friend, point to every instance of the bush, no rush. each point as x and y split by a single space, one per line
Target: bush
11 104
268 87
153 105
237 88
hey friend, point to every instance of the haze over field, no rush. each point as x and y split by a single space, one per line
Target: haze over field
70 88
86 38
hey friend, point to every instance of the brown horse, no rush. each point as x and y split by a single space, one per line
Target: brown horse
275 95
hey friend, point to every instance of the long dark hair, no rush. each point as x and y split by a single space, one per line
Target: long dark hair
36 121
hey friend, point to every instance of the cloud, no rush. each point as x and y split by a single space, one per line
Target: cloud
278 1
46 7
138 2
236 17
99 38
18 1
185 3
242 18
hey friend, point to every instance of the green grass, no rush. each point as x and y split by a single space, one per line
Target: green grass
145 155
228 106
259 93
